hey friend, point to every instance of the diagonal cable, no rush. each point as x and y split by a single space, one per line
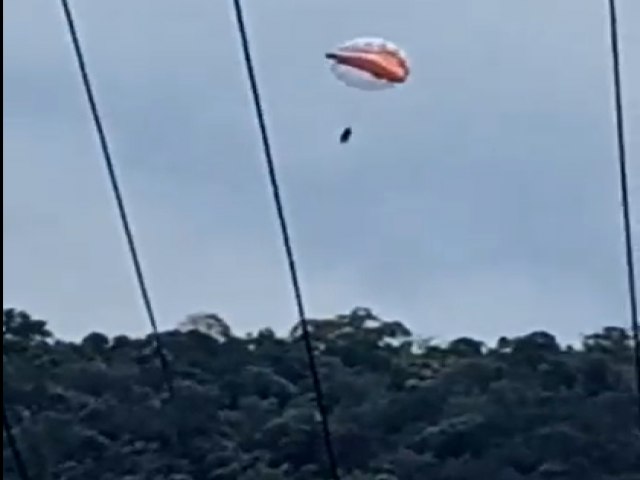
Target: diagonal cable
117 192
18 458
624 191
286 238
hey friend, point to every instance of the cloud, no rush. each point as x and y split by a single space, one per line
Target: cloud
486 189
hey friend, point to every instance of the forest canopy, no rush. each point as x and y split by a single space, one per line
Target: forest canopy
400 408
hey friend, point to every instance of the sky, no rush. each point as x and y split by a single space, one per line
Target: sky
479 199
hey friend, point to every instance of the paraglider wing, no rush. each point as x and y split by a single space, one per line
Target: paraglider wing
369 64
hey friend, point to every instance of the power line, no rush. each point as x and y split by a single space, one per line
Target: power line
18 459
286 238
115 186
624 190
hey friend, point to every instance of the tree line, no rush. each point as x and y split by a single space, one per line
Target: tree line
400 408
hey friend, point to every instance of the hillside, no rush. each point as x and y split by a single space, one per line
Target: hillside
401 409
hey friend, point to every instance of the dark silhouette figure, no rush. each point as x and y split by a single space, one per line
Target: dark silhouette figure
345 135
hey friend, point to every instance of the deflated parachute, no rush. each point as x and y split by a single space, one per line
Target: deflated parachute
369 64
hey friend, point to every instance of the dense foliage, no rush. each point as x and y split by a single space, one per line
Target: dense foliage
526 408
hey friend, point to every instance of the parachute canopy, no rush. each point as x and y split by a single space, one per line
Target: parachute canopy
369 63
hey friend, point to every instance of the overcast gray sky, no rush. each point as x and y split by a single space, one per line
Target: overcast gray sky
481 198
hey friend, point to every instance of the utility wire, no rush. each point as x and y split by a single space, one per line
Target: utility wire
18 458
115 186
286 238
624 189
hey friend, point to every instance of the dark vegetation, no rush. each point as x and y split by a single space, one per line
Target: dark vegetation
525 408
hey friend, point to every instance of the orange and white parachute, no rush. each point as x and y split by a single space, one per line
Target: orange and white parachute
369 63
